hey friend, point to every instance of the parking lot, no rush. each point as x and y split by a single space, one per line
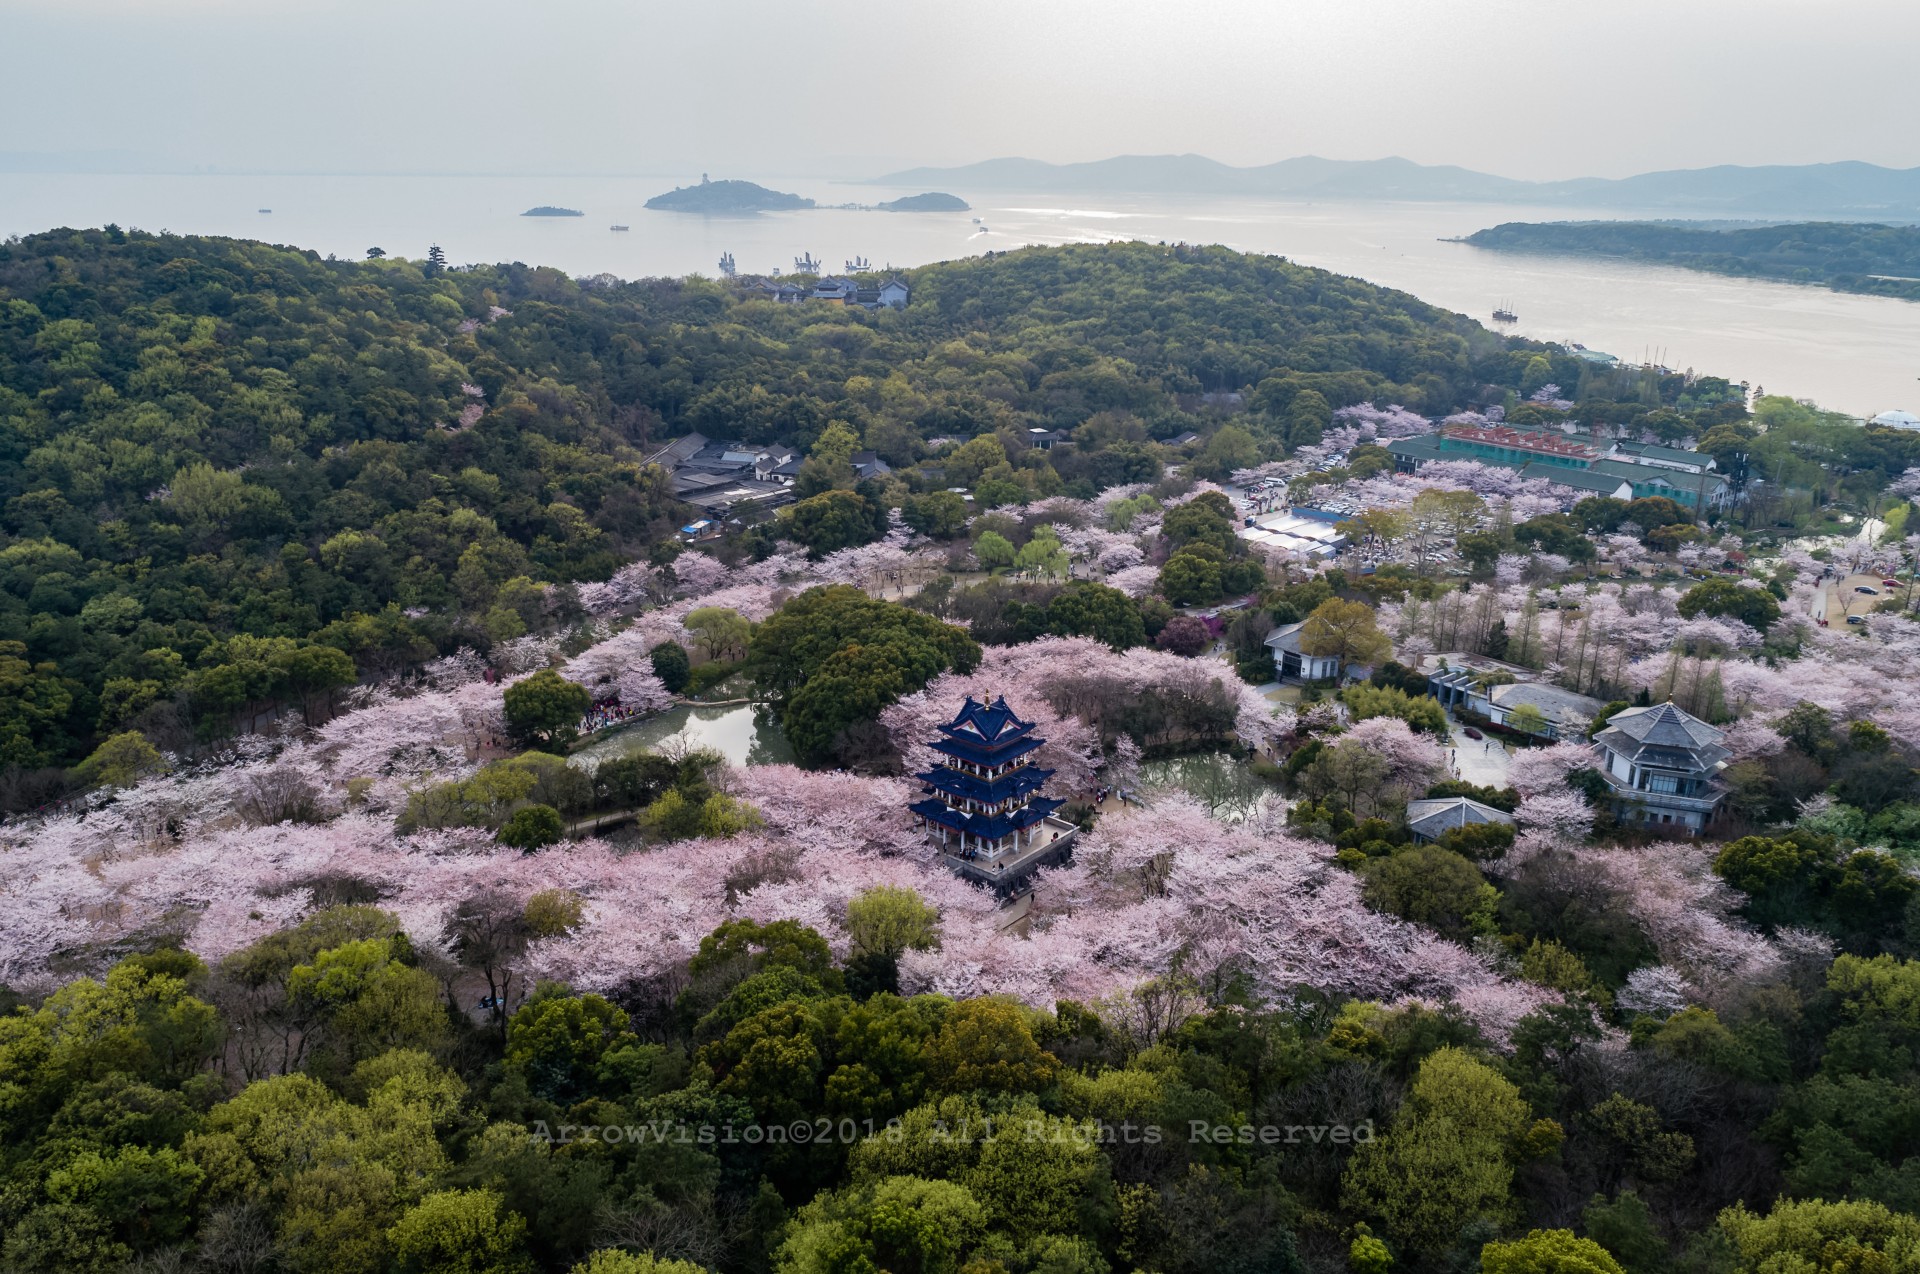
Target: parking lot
1838 601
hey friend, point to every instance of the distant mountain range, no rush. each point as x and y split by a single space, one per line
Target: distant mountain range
1849 189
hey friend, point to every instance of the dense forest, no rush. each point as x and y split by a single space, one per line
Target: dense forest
1845 256
235 476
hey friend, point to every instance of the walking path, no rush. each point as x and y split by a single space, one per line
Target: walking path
1481 761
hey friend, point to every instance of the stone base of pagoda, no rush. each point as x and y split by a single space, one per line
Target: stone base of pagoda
1010 875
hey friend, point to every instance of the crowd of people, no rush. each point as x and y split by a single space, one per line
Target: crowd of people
605 714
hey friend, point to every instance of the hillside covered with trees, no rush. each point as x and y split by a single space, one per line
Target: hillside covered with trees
234 477
1845 256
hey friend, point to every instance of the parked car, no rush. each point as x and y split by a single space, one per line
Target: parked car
1472 733
1890 583
1868 589
1856 619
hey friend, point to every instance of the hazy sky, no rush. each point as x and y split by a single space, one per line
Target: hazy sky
1525 88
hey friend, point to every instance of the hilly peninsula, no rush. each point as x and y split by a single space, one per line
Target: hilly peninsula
1846 257
727 196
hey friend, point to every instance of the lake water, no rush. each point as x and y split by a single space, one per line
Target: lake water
734 732
1228 788
1852 353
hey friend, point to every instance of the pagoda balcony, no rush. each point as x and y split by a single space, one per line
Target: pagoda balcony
1010 873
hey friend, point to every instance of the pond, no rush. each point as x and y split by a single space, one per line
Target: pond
1227 787
732 730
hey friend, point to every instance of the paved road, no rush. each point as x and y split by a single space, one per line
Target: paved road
1482 761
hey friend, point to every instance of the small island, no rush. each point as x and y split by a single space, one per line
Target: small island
548 210
727 196
932 201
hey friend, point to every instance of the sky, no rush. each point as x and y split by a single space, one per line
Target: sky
1542 89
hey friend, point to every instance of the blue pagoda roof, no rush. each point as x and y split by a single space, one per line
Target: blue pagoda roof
966 750
990 722
1007 787
986 733
986 826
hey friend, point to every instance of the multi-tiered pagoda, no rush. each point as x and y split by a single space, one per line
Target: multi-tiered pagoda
983 800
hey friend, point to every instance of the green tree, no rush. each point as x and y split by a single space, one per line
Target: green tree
722 633
544 710
836 444
1527 719
1042 557
1344 631
314 674
461 1232
1652 512
1307 419
121 761
1754 607
888 919
994 550
1205 519
1434 887
1815 1235
1086 609
567 1047
1626 1228
533 827
833 520
1192 578
1446 1162
987 1045
145 1196
1548 1252
940 515
34 702
1231 447
833 657
972 458
906 1225
1422 713
670 664
365 998
613 1260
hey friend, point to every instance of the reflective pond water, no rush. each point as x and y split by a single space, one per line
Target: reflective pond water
1227 787
733 731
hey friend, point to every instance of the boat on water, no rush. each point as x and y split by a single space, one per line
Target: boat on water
1505 314
620 228
266 210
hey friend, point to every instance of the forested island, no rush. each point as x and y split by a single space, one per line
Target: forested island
932 201
1879 260
326 947
549 210
727 196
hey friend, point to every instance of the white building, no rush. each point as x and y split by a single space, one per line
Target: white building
1663 765
1896 420
1291 661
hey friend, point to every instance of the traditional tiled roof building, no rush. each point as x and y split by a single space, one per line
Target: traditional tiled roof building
984 800
1663 765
